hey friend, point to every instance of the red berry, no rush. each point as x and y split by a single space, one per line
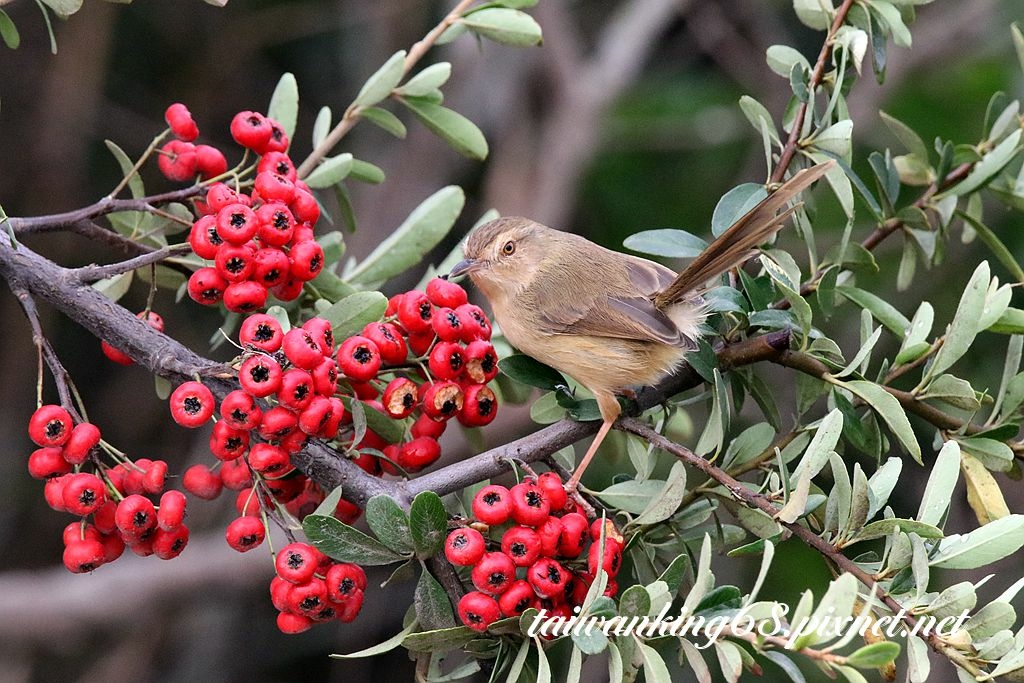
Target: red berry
548 578
443 293
301 349
289 290
550 532
262 331
517 599
114 355
325 377
171 511
343 581
135 515
494 573
522 544
446 360
279 163
609 530
79 531
228 443
611 560
321 414
492 504
251 129
219 195
191 404
235 475
235 262
169 544
307 260
278 141
359 358
268 460
304 206
204 238
442 400
202 482
237 224
529 505
276 224
206 286
245 533
177 161
273 187
296 389
84 437
415 312
296 562
46 463
400 397
271 267
155 477
53 492
260 375
574 535
245 297
473 323
239 410
322 334
293 623
427 426
481 361
83 493
84 556
50 425
389 341
421 452
479 406
464 547
447 325
419 342
210 161
478 611
179 118
553 489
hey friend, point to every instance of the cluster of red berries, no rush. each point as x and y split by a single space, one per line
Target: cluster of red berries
539 563
115 497
312 588
179 159
259 241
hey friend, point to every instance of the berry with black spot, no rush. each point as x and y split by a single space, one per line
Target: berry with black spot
296 562
271 267
307 260
237 224
204 238
316 416
389 341
359 358
84 437
415 312
177 161
274 187
517 599
445 294
46 463
236 262
251 129
481 361
278 141
474 324
261 331
308 597
202 482
611 560
344 580
494 573
289 290
171 511
479 406
268 460
192 404
464 547
492 504
228 443
551 483
478 611
442 400
418 453
325 377
276 224
574 535
260 375
322 333
84 556
239 410
400 398
446 360
245 297
279 163
522 544
206 286
548 578
550 532
302 349
245 533
134 517
50 425
446 324
168 544
529 504
296 389
83 493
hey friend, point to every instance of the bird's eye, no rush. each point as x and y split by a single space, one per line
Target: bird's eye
509 248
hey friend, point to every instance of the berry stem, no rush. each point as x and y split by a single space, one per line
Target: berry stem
138 164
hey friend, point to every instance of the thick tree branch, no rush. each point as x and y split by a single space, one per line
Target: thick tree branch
64 221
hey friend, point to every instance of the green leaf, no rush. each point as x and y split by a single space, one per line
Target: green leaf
655 670
427 80
734 204
389 523
593 643
321 126
635 602
503 25
329 503
939 491
890 410
114 287
459 132
964 328
380 648
331 171
384 119
759 117
1018 42
667 501
1010 322
366 172
382 82
883 311
135 182
632 496
413 239
350 315
338 540
64 8
782 58
284 103
991 164
874 655
433 609
954 391
439 640
825 439
906 135
884 527
8 31
532 372
668 242
836 139
990 543
995 245
815 14
428 522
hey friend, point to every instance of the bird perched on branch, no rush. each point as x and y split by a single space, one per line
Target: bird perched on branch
609 320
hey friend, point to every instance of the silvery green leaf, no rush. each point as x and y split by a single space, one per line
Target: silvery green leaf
729 659
668 499
284 103
389 523
459 132
116 286
953 600
321 126
759 117
884 527
889 409
427 80
952 390
882 483
382 82
835 139
781 59
433 609
893 21
993 617
668 242
815 14
631 496
939 491
504 25
384 120
331 171
882 310
351 314
906 135
964 328
734 204
825 439
985 545
380 648
750 443
991 164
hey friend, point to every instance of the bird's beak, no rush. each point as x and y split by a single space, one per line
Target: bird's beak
465 266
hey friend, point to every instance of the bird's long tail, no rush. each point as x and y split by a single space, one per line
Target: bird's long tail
737 244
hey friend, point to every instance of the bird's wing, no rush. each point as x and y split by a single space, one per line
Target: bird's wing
619 317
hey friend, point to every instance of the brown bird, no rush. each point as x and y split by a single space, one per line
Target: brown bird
610 320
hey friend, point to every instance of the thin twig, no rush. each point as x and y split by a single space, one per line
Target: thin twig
57 221
92 273
57 369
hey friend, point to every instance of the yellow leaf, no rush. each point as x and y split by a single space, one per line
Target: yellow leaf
983 493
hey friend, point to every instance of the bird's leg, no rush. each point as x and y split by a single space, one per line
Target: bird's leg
610 410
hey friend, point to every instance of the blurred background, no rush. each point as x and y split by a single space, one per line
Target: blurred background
626 119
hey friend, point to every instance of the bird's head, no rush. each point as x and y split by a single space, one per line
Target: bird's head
503 255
